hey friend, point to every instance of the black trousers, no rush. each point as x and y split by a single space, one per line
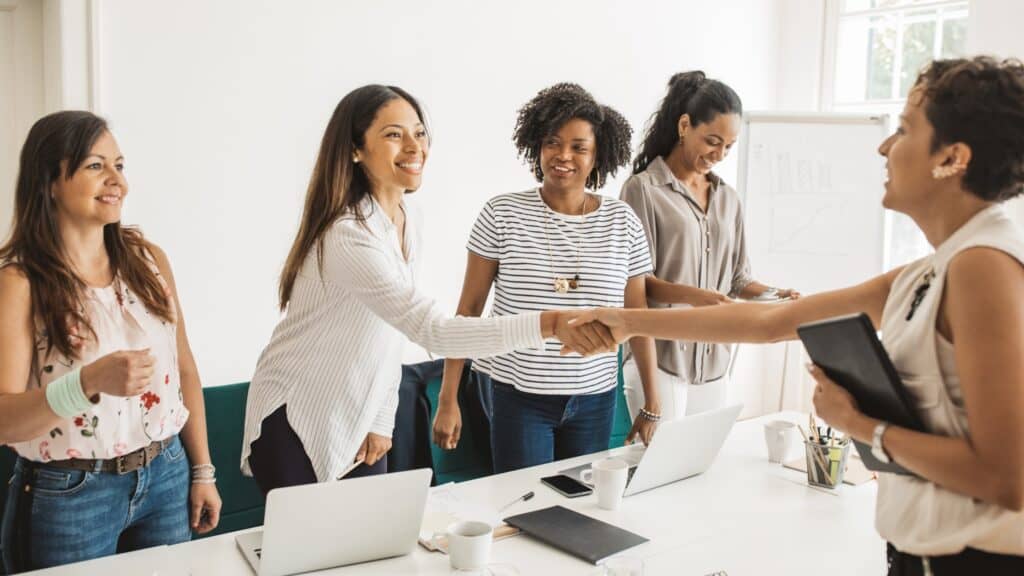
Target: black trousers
277 458
970 562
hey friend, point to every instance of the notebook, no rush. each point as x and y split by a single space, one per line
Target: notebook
848 350
572 532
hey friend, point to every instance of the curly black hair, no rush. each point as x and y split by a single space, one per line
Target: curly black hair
980 101
551 108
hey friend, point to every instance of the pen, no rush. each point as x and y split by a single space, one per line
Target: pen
522 498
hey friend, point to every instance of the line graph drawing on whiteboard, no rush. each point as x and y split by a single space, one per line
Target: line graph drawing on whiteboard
802 225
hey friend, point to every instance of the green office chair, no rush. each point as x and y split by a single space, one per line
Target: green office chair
225 423
469 460
623 423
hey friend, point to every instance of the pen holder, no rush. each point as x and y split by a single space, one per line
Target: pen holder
826 464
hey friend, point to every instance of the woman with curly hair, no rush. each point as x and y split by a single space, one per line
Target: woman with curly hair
952 322
694 226
555 246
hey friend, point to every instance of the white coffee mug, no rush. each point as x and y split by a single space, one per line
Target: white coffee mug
469 544
609 478
779 435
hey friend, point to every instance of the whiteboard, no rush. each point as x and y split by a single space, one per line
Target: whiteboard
812 186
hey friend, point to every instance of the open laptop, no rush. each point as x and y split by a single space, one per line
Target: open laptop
679 449
320 526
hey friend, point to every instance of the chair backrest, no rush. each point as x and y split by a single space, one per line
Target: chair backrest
472 457
225 422
623 423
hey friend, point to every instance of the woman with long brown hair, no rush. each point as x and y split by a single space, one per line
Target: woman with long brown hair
97 380
324 394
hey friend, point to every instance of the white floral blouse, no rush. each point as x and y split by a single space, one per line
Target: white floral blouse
116 425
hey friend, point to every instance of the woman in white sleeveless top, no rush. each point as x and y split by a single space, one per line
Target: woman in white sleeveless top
952 322
99 394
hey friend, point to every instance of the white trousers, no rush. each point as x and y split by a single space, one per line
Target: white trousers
678 397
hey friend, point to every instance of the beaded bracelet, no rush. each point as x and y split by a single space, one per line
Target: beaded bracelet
649 416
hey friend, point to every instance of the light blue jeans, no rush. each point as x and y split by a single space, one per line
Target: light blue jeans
72 515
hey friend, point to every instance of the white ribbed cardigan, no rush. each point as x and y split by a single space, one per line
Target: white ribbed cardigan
335 358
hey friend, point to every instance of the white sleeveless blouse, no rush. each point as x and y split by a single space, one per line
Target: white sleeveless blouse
115 425
915 515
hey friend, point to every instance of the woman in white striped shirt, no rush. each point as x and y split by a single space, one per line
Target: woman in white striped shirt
325 389
555 246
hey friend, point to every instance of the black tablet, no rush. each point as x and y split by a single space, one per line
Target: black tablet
849 352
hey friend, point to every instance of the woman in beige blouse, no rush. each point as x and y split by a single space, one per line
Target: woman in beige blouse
953 323
694 225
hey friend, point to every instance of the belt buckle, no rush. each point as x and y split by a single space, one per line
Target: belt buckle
145 456
120 465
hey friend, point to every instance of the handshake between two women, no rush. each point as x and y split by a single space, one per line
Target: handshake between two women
590 331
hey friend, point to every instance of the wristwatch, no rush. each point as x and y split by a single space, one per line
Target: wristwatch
876 443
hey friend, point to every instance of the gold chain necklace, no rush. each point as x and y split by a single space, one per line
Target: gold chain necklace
562 284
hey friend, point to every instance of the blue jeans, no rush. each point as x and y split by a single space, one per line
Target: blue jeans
530 429
72 515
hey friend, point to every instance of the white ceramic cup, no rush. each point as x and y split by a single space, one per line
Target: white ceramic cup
469 544
780 436
608 477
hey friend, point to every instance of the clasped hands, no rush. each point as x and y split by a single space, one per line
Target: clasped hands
590 331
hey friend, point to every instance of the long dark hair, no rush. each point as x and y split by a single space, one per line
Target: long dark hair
55 148
690 93
336 187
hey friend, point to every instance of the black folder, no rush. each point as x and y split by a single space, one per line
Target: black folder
849 352
572 532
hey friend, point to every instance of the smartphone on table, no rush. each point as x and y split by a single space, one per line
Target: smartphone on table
567 485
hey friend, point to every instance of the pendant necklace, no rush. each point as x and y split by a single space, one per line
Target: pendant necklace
562 284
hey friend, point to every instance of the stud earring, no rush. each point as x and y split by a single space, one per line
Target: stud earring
355 159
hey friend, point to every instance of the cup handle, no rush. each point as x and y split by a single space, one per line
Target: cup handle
587 477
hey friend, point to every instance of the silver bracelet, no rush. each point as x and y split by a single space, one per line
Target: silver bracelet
649 416
209 480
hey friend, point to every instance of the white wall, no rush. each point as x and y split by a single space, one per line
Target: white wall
994 28
219 108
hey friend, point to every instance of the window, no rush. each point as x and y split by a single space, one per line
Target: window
875 48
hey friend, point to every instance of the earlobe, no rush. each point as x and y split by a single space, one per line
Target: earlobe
683 126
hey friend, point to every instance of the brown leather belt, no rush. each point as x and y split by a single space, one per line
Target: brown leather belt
121 465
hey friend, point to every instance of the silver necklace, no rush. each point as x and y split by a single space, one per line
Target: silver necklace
562 284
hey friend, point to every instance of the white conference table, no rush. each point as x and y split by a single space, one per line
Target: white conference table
743 516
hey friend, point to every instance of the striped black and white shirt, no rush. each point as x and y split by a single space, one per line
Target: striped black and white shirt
533 245
335 358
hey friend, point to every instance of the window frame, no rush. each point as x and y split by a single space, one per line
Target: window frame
890 107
